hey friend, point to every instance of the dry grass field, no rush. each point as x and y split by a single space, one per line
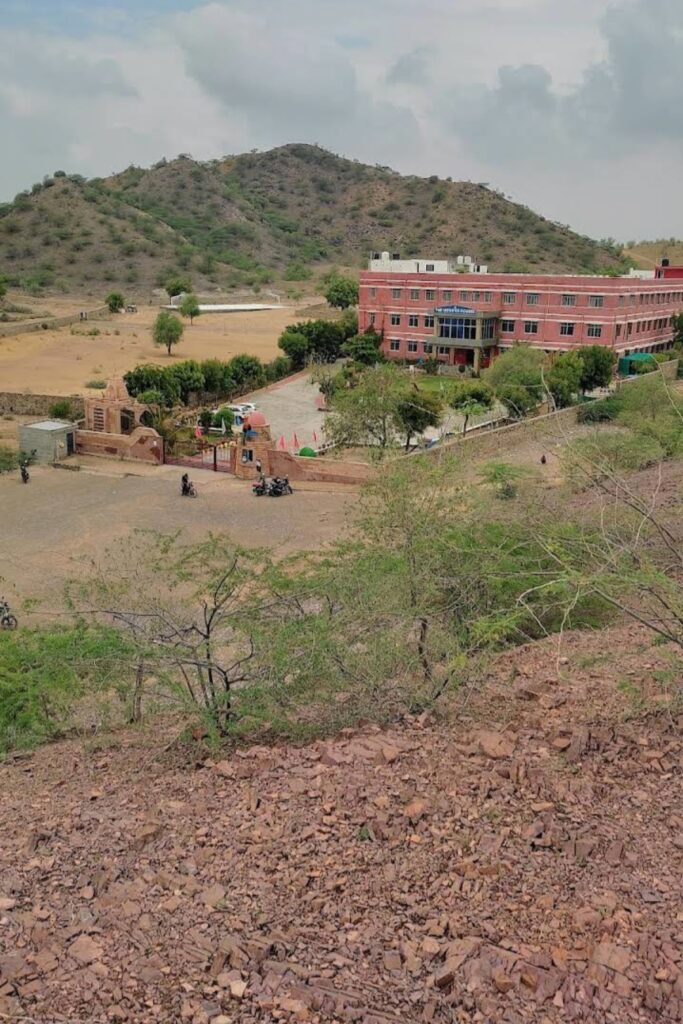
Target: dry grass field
65 360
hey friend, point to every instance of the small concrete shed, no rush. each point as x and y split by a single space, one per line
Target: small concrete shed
51 440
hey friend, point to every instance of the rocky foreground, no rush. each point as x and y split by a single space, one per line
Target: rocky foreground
520 863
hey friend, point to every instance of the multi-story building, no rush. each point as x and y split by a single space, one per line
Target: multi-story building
429 308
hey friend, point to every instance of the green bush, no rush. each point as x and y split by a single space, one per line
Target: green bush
45 673
98 384
602 411
61 410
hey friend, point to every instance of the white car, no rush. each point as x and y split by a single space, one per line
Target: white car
243 409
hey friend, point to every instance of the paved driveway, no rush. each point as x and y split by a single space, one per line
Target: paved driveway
290 408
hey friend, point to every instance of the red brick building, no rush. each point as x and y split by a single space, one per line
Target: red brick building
428 309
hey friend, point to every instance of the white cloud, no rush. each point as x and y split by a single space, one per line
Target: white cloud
576 108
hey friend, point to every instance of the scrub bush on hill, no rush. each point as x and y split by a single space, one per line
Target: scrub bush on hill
45 673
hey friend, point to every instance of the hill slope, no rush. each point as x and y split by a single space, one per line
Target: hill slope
249 218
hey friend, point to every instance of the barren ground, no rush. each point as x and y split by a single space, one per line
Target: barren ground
63 361
62 517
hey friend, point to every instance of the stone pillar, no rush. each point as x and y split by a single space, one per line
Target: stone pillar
477 361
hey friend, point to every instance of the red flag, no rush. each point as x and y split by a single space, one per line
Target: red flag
282 443
197 431
295 439
315 437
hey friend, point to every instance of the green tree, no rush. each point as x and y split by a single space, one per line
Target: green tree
364 348
167 330
247 372
176 285
517 399
416 412
470 397
368 412
190 307
296 347
341 291
115 302
678 329
598 367
518 368
563 379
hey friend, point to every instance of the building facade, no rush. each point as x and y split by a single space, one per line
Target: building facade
468 318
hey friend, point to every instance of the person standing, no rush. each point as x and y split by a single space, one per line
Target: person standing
259 467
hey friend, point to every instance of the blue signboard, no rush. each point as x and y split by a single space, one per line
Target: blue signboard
451 310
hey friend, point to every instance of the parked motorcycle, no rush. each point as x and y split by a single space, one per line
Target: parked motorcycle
280 485
274 488
7 620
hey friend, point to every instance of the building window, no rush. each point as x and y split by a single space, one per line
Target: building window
622 300
487 329
531 327
413 320
475 296
394 345
595 330
618 331
98 418
464 296
415 293
396 293
429 267
447 295
412 346
429 321
566 330
430 294
532 298
507 326
630 330
371 319
443 350
459 327
509 298
427 348
596 301
569 300
373 293
395 319
488 296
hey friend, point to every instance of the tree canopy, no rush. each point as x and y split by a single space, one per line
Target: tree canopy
115 302
564 378
189 307
597 367
167 330
341 291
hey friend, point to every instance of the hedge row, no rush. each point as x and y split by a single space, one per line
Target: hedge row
211 380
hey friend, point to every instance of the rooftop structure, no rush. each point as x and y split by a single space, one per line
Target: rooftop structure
466 319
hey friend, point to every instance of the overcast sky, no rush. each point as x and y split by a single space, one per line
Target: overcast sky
574 107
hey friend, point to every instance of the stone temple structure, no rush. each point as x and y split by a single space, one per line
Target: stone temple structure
118 426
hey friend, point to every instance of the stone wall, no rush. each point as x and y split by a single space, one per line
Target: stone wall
12 329
318 470
143 445
26 404
495 442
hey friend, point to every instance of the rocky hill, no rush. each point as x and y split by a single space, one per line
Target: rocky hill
254 218
518 865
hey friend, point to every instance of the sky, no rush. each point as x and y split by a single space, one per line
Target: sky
574 107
